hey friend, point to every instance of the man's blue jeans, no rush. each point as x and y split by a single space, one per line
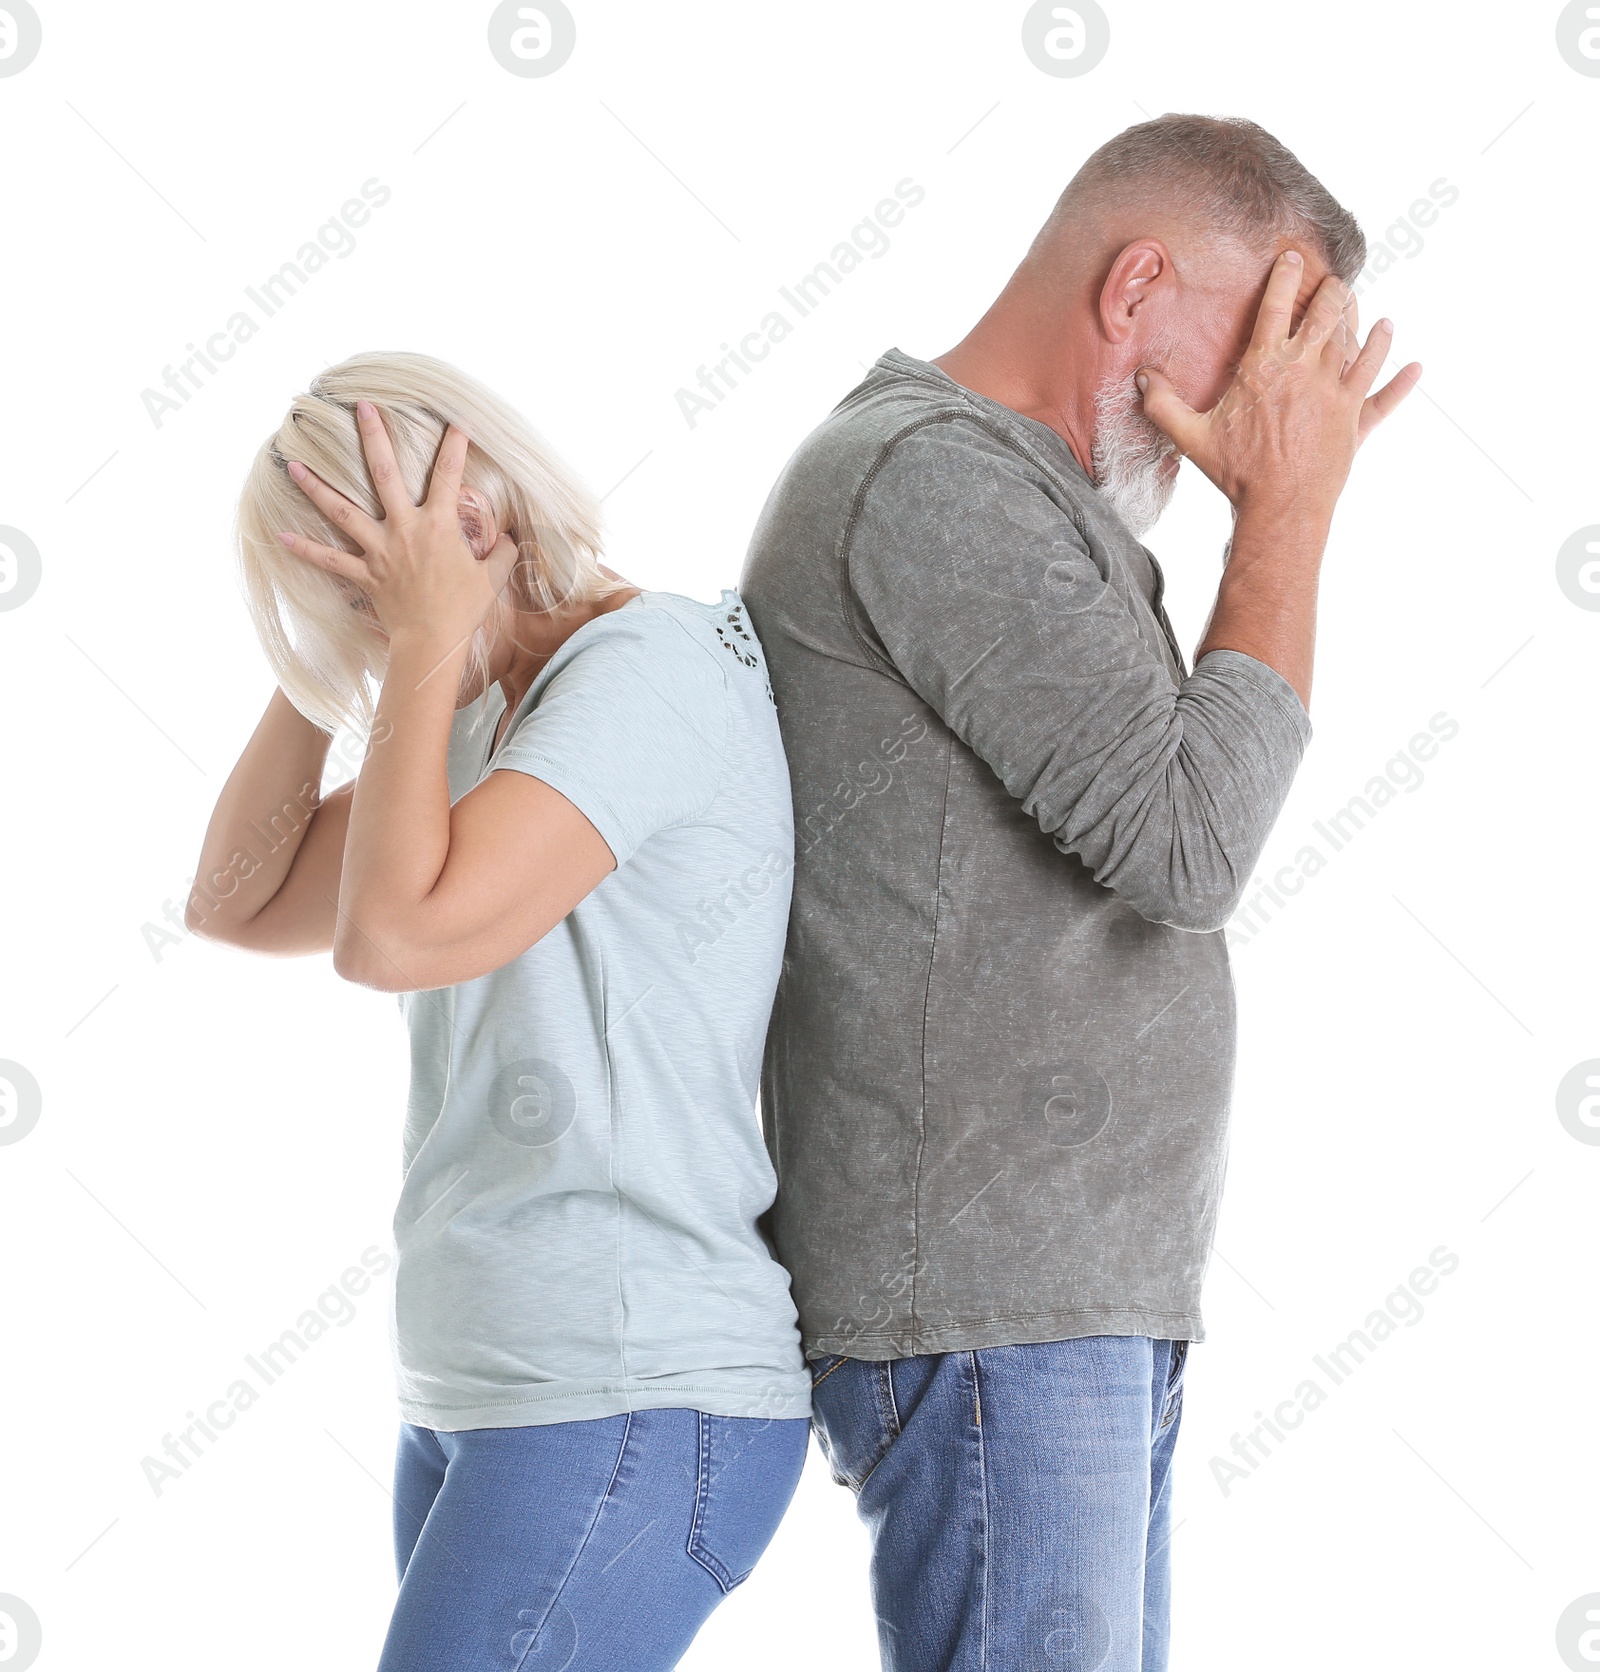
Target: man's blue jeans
1018 1499
596 1546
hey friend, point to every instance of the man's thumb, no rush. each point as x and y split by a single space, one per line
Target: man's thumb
1166 408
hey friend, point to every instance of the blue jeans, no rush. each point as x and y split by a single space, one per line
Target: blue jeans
1018 1500
579 1546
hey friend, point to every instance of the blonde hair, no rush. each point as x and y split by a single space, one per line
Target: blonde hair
316 628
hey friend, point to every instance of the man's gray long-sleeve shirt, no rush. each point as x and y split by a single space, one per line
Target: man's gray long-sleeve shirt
997 1075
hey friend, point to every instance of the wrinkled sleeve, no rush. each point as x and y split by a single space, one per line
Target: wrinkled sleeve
990 603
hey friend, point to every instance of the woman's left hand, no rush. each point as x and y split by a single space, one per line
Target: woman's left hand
423 579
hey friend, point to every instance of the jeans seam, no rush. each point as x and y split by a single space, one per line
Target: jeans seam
577 1556
891 1409
829 1371
702 1488
861 1484
1174 1388
983 1510
432 1439
888 1417
697 1551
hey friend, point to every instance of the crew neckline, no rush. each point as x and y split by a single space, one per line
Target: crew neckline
492 721
654 595
896 359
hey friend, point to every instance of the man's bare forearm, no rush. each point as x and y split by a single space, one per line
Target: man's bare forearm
1279 444
1267 600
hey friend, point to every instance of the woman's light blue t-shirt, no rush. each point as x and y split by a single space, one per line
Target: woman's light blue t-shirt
584 1168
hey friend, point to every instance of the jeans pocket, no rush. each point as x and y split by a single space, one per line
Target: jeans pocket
854 1417
824 1367
749 1468
1174 1396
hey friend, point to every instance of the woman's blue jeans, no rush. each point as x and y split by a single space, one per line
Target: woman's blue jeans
580 1546
1018 1498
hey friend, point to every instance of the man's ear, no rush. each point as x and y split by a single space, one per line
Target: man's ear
1138 272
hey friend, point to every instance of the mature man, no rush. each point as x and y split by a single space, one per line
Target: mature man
997 1076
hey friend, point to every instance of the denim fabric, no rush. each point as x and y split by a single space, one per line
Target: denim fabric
580 1546
1018 1500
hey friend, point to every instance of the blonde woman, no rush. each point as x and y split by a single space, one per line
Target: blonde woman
568 849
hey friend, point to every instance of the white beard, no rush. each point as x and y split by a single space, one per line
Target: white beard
1131 456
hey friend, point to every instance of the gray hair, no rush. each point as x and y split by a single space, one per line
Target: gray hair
1231 174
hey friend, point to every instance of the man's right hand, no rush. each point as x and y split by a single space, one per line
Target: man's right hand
1288 426
1279 445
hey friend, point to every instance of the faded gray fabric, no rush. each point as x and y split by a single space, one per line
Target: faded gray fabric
997 1075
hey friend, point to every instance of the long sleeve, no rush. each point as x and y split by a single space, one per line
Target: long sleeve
982 588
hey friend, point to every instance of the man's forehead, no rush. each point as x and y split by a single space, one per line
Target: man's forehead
1251 291
1315 272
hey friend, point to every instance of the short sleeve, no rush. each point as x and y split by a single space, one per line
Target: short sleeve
630 726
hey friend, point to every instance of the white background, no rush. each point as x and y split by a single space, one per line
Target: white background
219 1137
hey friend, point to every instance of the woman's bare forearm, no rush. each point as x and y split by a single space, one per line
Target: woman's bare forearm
268 874
399 831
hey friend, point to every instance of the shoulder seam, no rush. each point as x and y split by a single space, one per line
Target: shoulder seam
943 415
722 679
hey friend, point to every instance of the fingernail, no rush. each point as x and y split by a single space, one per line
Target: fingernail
1142 381
1385 324
1293 257
364 409
297 470
288 539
